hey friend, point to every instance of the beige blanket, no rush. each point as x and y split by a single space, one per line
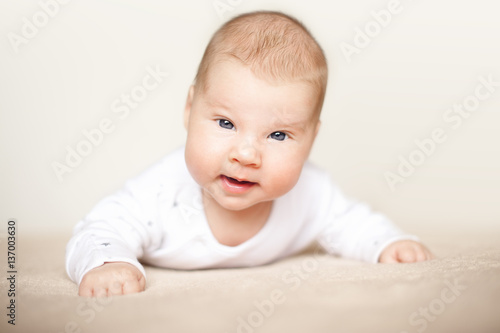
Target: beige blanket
310 292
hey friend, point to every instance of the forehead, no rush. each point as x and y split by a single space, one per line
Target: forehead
229 84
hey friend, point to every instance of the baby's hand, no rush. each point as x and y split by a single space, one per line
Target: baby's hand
112 278
405 251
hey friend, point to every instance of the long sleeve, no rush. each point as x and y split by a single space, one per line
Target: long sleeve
352 229
121 227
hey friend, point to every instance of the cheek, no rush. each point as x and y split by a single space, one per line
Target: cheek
191 160
283 174
196 161
202 156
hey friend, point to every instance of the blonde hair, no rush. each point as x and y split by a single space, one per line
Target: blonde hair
275 46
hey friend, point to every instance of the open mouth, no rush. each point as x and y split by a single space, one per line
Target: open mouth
234 185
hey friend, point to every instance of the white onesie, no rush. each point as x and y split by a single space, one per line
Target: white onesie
158 218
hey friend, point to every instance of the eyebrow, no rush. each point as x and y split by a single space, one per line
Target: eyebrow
217 104
299 125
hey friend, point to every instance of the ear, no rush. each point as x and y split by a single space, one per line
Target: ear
187 108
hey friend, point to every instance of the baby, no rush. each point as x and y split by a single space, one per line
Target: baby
241 192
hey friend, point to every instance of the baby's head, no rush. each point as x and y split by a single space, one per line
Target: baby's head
275 47
252 113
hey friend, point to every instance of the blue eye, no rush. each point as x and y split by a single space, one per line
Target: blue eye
280 136
225 124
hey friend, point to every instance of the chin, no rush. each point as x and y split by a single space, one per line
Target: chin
234 203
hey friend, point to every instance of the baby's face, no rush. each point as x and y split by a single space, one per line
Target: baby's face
248 139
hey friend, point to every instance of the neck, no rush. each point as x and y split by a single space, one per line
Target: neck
233 227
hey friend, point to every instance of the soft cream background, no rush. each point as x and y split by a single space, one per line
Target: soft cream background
396 90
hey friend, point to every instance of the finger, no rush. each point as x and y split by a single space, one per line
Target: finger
136 286
116 289
84 291
388 258
142 282
421 255
131 287
100 292
406 256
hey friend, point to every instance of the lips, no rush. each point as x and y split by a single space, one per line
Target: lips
236 186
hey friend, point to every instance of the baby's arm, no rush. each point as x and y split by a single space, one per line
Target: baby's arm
354 231
112 278
405 251
108 242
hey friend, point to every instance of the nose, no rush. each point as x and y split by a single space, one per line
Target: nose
247 154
